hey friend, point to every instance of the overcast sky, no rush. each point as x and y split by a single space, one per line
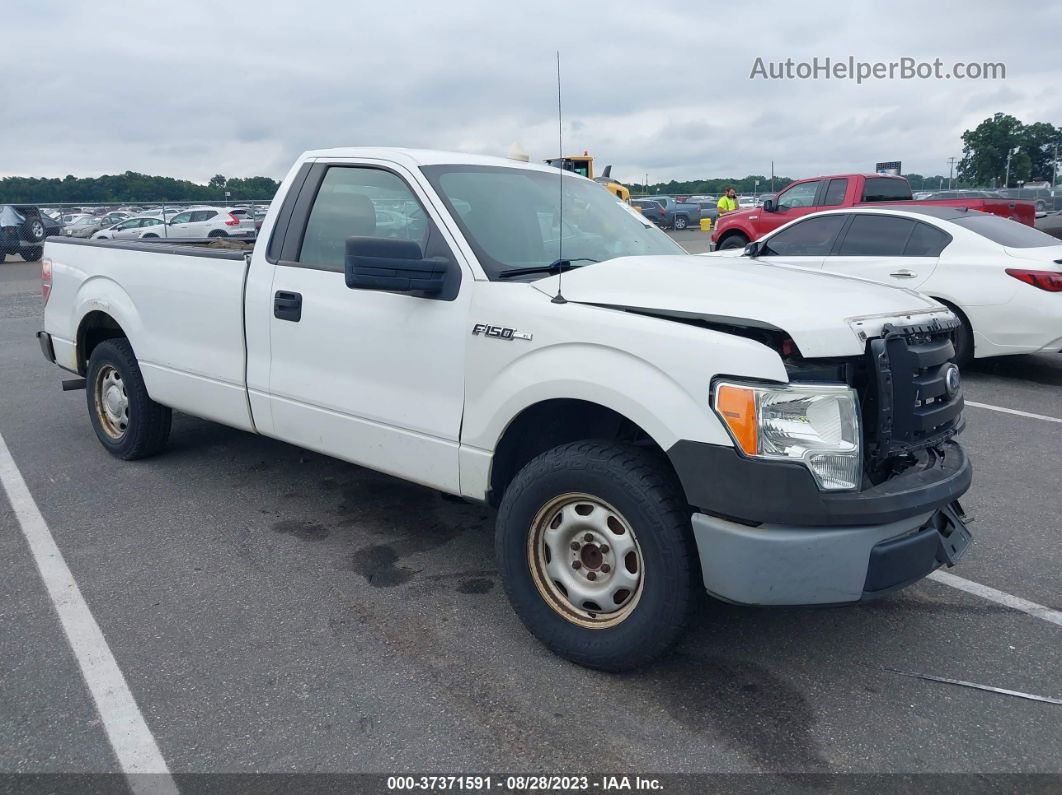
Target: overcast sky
195 88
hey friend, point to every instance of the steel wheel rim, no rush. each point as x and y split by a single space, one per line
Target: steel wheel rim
112 402
585 560
38 229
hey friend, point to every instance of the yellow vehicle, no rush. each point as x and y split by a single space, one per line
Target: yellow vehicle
584 166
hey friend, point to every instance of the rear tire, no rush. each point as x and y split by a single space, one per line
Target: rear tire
34 230
629 602
734 241
216 233
128 423
962 338
32 254
681 222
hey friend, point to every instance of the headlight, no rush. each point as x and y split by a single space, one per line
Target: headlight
817 425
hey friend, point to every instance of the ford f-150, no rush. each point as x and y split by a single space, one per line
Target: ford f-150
646 425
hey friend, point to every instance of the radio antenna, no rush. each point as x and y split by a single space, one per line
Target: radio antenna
559 298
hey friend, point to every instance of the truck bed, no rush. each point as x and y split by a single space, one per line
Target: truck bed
181 300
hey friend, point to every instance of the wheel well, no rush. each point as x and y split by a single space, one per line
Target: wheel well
962 315
732 233
95 328
546 425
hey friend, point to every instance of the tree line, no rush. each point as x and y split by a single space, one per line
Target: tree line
1032 149
132 187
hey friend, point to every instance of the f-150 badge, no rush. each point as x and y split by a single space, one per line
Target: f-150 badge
500 332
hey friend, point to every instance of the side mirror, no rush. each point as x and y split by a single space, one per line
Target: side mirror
770 206
380 263
752 249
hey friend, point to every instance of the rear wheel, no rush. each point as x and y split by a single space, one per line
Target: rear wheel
216 233
962 338
681 222
34 230
32 254
734 241
594 546
126 421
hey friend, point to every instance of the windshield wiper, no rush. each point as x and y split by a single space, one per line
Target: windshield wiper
556 266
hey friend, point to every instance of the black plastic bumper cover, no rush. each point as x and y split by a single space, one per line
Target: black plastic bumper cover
719 480
45 340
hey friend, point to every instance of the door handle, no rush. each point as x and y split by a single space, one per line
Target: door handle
903 274
287 306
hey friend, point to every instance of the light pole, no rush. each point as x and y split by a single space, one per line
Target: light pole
1054 174
951 170
1010 152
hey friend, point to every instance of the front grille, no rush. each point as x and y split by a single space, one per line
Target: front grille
906 404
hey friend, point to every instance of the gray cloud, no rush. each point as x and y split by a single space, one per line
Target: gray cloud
199 87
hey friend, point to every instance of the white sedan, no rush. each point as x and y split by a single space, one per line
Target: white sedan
130 228
1003 279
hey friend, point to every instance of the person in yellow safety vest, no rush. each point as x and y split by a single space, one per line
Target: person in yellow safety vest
728 203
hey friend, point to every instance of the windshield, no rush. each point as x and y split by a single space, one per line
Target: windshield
511 218
1011 234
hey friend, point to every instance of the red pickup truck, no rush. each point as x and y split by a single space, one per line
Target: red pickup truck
738 229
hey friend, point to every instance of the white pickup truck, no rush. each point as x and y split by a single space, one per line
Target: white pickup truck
647 423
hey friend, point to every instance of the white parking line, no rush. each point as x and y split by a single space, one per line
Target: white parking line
999 597
129 735
1014 411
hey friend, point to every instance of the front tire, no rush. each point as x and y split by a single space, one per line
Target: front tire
734 241
128 423
32 254
596 553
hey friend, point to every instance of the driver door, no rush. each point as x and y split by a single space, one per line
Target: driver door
372 377
180 225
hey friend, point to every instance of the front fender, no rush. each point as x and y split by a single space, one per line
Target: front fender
616 379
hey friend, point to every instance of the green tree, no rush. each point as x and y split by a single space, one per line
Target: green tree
217 181
985 149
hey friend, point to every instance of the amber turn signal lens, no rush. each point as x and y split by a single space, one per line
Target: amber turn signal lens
737 406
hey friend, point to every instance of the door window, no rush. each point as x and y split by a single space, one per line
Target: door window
811 238
359 202
926 241
181 218
802 195
835 193
203 215
876 236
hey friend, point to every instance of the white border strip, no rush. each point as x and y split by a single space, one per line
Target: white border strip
127 732
999 597
1029 414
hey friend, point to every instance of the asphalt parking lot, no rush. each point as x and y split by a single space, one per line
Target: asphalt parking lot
275 610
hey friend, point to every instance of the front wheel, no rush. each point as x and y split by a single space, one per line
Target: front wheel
595 550
126 420
32 254
734 241
681 222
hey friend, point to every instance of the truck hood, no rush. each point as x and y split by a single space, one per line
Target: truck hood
825 314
